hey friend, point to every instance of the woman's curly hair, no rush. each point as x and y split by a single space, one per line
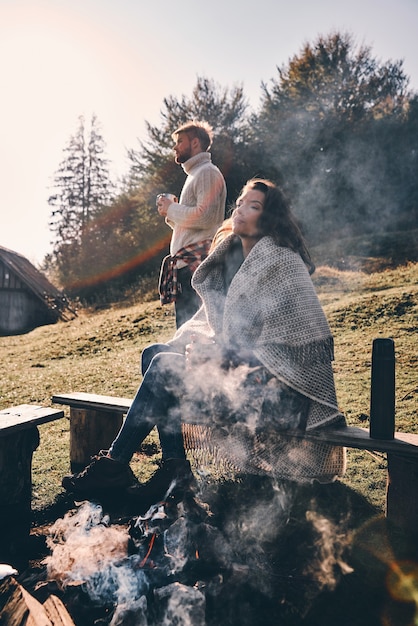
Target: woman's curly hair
278 220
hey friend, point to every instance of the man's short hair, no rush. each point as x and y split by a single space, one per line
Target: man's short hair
202 130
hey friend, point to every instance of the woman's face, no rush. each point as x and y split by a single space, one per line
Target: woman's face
246 214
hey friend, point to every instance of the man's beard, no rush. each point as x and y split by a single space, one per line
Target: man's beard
182 158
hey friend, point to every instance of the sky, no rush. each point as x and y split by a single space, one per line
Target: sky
119 59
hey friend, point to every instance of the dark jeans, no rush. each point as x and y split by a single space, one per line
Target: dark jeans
168 390
155 404
187 300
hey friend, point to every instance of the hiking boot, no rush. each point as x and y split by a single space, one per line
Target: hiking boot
103 473
172 479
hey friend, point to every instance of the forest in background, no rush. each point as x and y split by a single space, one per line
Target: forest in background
336 128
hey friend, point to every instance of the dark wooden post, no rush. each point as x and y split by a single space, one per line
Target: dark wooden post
16 450
402 485
382 390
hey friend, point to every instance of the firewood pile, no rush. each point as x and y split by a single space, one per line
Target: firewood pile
19 608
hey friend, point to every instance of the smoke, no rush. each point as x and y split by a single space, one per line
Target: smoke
243 410
87 550
332 543
344 180
249 550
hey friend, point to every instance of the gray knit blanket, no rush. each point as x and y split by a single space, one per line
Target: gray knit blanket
272 310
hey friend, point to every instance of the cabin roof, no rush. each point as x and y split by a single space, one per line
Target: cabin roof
37 283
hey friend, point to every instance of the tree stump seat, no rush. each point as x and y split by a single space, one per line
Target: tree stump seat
19 438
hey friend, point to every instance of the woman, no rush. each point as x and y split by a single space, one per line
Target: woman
256 357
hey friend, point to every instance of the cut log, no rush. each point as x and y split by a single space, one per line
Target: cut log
57 612
19 608
19 437
16 452
90 432
37 615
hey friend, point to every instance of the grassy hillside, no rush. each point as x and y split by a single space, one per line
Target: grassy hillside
99 352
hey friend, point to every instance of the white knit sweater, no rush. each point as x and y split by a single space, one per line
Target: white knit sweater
201 207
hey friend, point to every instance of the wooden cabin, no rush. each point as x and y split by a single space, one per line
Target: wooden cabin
27 298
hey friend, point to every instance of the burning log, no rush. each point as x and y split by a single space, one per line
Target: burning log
19 608
131 614
180 604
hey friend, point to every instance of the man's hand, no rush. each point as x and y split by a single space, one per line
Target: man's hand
162 205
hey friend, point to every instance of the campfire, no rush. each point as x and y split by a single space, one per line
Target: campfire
222 559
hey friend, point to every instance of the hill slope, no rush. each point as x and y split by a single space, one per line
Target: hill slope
99 352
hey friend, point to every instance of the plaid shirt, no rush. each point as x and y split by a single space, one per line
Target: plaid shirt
193 255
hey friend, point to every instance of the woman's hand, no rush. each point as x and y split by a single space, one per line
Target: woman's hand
200 350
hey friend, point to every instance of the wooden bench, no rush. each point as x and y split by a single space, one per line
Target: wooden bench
96 419
19 438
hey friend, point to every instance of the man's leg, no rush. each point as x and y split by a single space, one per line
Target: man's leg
150 352
188 301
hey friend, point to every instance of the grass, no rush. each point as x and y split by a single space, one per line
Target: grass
99 352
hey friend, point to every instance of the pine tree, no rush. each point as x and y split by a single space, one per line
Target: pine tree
82 185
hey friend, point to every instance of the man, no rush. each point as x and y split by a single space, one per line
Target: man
194 219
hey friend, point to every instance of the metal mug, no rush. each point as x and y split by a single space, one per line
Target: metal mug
170 196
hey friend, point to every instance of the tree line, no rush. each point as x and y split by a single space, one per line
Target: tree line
336 128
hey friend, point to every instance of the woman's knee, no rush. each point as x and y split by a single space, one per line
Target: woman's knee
165 370
150 352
